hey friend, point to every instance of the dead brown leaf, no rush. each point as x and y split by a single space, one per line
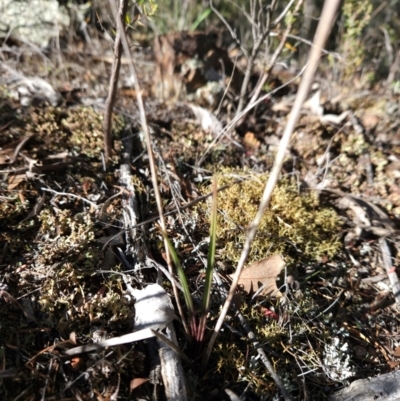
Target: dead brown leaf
15 180
370 120
263 274
77 363
250 141
393 364
136 382
396 352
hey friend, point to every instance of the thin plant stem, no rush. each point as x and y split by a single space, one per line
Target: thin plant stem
235 120
258 41
210 267
146 131
112 92
274 57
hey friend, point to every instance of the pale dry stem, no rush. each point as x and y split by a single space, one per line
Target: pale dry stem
147 136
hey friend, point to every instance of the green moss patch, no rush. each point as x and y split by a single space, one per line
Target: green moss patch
294 223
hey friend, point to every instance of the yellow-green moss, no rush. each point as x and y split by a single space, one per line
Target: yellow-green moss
292 221
354 144
70 255
67 234
80 128
11 209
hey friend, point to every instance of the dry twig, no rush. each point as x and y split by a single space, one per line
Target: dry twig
123 6
390 269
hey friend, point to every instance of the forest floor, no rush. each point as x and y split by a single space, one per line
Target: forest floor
335 211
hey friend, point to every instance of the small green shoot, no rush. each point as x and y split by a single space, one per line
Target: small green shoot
197 330
210 267
184 283
200 19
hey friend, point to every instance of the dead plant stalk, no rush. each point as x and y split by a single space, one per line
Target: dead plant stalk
260 33
326 21
107 122
146 131
276 54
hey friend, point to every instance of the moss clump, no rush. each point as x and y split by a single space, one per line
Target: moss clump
11 209
293 222
65 234
85 125
79 129
69 256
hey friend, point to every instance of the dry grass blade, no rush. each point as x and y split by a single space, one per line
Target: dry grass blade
210 267
127 338
9 153
390 269
170 344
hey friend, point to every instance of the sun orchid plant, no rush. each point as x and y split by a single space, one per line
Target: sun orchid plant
198 323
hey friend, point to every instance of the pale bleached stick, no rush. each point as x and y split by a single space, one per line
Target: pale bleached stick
390 269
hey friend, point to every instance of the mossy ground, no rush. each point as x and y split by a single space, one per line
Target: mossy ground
51 249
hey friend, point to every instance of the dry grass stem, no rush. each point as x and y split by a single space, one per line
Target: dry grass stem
237 118
146 132
276 54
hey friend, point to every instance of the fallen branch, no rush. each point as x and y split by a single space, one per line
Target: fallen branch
384 387
71 195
